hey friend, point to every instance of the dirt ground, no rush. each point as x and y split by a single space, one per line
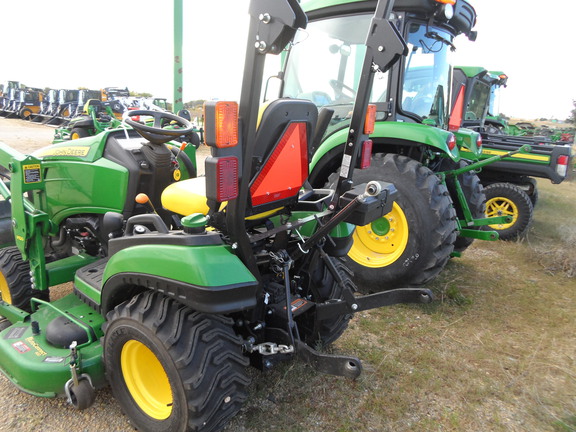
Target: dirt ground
25 136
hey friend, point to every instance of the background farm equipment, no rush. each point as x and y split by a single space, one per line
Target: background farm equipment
97 117
509 184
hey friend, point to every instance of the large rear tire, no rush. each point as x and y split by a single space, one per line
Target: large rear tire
411 244
322 285
171 368
506 199
15 284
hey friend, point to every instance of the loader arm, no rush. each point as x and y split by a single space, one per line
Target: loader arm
29 223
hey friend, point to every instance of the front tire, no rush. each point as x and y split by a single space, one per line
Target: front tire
15 284
171 368
412 244
506 199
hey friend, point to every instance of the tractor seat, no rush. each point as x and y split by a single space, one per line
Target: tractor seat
279 163
189 196
186 197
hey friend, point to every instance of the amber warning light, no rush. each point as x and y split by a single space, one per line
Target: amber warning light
370 120
221 124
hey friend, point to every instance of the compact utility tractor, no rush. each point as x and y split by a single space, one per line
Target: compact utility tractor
440 208
177 291
96 117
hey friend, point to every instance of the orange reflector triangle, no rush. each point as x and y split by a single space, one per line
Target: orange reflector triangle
286 169
457 111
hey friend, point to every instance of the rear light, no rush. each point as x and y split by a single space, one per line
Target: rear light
366 155
370 120
450 2
562 165
451 142
221 124
479 142
225 171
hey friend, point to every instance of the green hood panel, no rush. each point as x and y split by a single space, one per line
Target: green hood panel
203 266
77 187
86 149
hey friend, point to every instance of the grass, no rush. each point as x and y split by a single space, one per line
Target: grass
495 352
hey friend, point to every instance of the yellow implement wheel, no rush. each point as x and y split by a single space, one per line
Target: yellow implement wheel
507 199
146 380
501 206
381 242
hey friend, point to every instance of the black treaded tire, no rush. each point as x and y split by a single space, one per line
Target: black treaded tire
475 197
323 286
83 395
186 369
504 199
25 113
15 285
419 232
532 190
78 132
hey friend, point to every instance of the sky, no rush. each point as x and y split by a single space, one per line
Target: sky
121 43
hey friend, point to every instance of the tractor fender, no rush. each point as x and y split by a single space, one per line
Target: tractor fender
85 122
406 133
208 278
467 141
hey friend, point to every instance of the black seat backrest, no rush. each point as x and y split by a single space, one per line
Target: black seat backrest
281 154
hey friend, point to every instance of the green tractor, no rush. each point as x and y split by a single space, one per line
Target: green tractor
177 291
509 184
440 209
96 117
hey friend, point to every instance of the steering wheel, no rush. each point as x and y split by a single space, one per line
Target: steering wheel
156 134
338 87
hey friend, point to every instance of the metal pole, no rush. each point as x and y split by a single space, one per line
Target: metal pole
178 64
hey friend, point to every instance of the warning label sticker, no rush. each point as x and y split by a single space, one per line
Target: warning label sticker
15 333
21 347
346 160
32 173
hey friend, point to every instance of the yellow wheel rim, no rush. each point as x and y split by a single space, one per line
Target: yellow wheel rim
146 380
5 290
74 136
381 242
500 206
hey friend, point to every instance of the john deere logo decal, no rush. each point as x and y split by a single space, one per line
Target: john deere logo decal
74 151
